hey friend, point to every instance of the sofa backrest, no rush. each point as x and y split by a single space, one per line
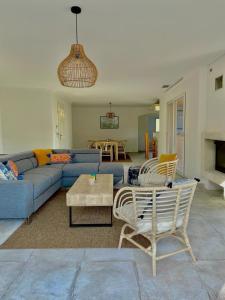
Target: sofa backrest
25 160
83 155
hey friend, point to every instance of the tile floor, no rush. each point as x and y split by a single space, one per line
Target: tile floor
99 274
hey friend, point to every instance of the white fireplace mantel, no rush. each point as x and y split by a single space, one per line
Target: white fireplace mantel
215 136
212 175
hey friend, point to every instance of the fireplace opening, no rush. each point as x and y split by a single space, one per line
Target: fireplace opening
220 156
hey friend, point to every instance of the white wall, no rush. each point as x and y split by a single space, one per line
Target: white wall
1 139
194 87
27 116
86 125
216 99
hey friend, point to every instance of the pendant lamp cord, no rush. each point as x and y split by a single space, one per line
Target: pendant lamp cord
76 30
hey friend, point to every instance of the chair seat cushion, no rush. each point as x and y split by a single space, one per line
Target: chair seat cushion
151 179
126 213
40 182
75 170
111 168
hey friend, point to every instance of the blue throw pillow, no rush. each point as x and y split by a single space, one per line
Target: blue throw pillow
6 173
20 177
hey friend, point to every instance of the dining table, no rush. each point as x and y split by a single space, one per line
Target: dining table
114 143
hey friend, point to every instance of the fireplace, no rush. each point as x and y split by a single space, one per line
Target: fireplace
220 156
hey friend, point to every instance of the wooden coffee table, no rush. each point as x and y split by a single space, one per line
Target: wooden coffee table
82 193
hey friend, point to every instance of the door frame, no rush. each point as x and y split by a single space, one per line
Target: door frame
173 102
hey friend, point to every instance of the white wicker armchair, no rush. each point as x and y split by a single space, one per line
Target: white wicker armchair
155 167
155 213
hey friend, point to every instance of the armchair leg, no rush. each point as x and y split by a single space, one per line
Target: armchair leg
153 242
122 235
189 246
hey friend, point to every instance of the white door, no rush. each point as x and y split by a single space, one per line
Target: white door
176 131
60 125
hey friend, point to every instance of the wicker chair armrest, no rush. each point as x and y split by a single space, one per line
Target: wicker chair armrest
149 164
123 196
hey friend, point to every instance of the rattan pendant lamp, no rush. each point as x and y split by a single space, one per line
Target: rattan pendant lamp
77 70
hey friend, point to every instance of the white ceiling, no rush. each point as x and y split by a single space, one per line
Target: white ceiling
137 46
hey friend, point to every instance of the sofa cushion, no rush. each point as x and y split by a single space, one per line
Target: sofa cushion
34 162
59 151
56 166
24 165
18 156
40 182
75 170
86 155
111 168
53 173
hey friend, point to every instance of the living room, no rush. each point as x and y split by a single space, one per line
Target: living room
145 128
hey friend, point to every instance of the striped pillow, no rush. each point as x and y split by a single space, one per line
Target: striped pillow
61 158
13 167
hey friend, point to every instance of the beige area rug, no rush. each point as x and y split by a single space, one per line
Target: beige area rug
49 228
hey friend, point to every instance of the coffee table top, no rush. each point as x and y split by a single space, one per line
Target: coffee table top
82 193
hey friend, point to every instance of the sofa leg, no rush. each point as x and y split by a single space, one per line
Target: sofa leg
28 220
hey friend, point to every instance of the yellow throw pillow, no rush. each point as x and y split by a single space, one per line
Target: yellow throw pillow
167 157
43 156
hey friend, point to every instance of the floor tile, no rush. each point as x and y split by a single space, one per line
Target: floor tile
174 281
15 255
107 280
207 243
65 255
44 278
9 271
212 274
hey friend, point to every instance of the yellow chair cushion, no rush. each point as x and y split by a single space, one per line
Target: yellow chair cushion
167 157
43 156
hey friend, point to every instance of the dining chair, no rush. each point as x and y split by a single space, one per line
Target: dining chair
91 144
155 213
106 149
122 148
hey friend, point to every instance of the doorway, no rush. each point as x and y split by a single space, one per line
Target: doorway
60 120
147 124
176 131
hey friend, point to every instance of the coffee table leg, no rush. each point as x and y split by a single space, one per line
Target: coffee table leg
71 224
70 216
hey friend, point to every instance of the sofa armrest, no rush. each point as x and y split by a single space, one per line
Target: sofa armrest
16 199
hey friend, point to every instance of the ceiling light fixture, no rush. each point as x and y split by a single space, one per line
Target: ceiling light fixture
110 114
77 70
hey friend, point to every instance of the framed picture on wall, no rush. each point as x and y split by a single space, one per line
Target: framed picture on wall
109 123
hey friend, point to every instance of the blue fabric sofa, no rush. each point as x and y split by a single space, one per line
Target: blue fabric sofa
20 199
